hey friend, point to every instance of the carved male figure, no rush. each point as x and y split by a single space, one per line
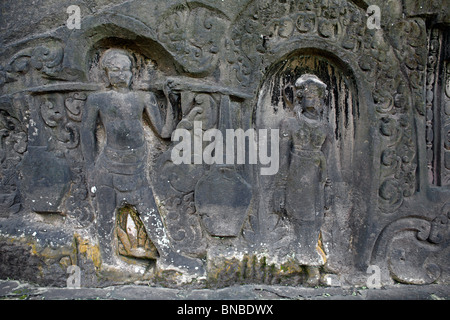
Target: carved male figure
302 179
117 176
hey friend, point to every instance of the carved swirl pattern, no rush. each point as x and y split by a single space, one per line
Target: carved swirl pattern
410 248
193 36
445 178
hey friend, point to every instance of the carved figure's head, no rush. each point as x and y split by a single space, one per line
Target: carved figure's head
310 94
117 64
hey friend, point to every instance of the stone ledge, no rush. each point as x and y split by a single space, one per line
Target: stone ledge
15 290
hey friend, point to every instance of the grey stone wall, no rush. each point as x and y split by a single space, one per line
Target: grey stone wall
344 111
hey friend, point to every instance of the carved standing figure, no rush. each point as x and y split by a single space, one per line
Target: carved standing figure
303 175
117 176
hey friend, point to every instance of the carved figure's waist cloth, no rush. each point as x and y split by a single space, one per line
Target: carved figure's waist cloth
123 170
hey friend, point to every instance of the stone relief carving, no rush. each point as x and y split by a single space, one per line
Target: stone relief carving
303 143
337 122
411 249
343 24
133 239
92 161
192 33
117 177
13 144
178 182
436 110
45 59
445 131
58 120
222 194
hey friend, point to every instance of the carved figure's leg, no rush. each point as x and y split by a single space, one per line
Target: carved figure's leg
106 207
304 207
308 236
156 231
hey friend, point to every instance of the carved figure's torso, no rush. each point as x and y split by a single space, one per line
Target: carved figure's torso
307 134
121 115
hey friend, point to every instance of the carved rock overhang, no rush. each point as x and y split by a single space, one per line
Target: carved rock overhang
112 25
377 68
96 29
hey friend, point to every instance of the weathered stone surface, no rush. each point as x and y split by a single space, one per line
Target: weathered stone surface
15 290
214 143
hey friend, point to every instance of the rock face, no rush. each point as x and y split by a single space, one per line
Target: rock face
214 143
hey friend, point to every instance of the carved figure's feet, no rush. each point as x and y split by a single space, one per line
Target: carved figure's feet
183 264
313 276
308 256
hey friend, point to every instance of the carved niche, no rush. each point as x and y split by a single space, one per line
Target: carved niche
284 103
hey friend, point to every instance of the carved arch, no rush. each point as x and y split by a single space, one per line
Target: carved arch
120 28
349 109
266 31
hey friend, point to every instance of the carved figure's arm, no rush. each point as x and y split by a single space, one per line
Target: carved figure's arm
285 148
326 148
279 196
87 132
163 129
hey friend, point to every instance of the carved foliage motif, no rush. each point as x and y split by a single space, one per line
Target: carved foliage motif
432 71
437 111
44 59
412 249
266 23
409 39
60 115
13 144
397 163
393 106
193 36
445 133
132 237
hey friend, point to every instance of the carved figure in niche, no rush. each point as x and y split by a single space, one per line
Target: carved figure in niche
117 176
302 181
